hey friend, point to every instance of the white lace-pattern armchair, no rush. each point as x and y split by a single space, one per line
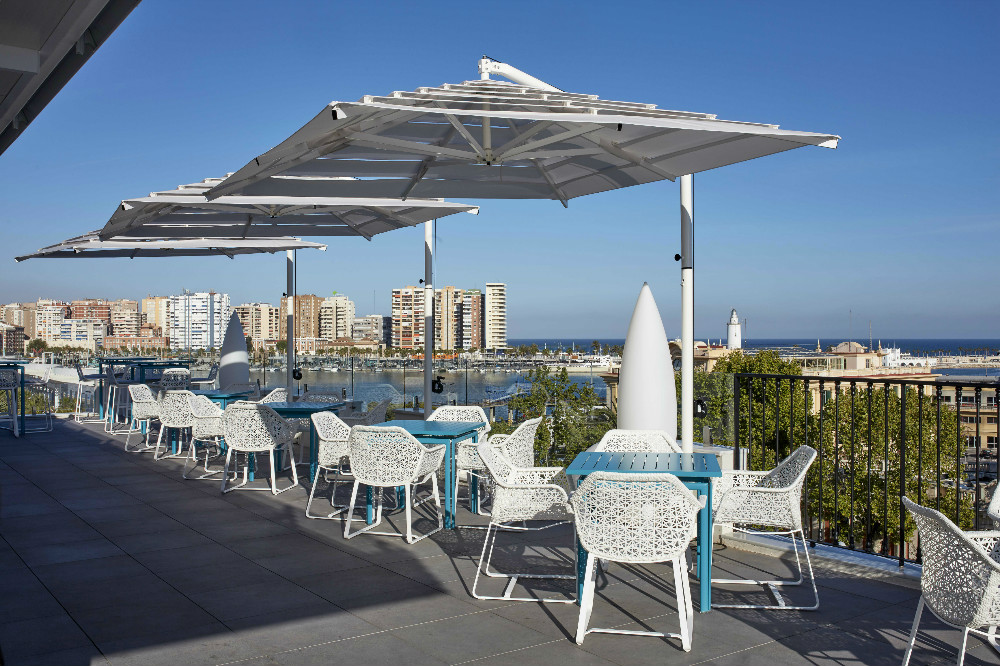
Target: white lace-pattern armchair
520 494
466 455
206 430
993 510
276 395
145 409
251 428
960 578
769 499
639 519
374 415
174 414
175 379
651 441
334 451
389 457
519 446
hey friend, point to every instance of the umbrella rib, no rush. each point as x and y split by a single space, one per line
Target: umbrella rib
536 127
425 165
555 138
638 160
466 135
362 138
548 179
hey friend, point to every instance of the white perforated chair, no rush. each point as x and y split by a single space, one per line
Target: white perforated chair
373 416
118 380
959 580
175 415
145 410
334 451
649 441
251 428
10 384
768 499
206 432
520 494
389 457
466 455
276 395
175 379
637 519
88 381
519 446
993 510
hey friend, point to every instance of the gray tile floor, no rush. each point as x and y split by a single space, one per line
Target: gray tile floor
112 557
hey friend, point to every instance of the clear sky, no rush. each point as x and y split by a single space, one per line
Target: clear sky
899 225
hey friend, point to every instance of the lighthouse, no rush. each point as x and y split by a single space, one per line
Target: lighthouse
734 338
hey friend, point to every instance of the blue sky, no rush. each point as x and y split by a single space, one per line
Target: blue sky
899 225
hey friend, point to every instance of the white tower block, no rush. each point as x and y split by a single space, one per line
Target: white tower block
734 334
234 366
647 395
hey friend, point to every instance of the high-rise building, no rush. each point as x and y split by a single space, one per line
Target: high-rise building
91 308
408 318
49 316
336 318
11 339
157 311
261 322
369 327
472 319
21 314
125 319
54 325
306 316
495 316
448 318
198 320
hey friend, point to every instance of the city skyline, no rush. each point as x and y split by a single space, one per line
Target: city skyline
801 242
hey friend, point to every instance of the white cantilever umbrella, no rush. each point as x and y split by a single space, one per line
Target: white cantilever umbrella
520 140
185 212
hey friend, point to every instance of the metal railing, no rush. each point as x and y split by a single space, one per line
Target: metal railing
878 439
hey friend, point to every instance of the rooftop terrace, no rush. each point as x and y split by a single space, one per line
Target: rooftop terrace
108 557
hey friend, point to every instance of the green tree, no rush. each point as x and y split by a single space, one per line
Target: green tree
37 346
281 346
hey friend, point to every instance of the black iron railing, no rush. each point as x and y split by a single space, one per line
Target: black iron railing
878 439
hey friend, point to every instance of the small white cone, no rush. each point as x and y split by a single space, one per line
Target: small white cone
234 366
647 395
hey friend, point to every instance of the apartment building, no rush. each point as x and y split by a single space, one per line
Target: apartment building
336 317
448 318
156 310
21 314
495 316
408 318
261 322
49 316
198 319
472 319
370 327
307 308
11 339
125 318
91 308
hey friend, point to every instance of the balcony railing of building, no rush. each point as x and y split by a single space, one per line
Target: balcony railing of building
878 438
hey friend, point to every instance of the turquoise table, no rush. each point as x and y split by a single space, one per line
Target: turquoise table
695 470
303 410
19 366
154 365
449 433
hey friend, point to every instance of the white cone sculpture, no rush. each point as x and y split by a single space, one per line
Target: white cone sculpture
234 367
647 396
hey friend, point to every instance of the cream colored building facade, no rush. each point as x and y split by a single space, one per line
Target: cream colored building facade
495 315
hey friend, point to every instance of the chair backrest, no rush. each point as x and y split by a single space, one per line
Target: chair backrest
959 580
277 395
649 441
316 396
791 472
175 409
252 426
329 427
207 417
9 379
246 387
79 370
384 456
140 393
519 446
462 413
175 379
635 518
993 510
213 372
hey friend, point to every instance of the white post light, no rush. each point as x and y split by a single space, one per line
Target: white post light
428 314
290 321
687 314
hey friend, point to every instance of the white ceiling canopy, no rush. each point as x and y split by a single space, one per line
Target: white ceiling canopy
495 139
185 212
90 246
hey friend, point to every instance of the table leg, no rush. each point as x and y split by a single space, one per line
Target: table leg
100 390
251 465
369 501
581 569
21 419
473 486
313 451
450 482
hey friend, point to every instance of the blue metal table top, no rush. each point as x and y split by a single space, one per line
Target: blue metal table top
213 393
440 429
302 408
681 465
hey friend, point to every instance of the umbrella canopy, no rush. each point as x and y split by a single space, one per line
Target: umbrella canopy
91 246
185 212
494 139
524 139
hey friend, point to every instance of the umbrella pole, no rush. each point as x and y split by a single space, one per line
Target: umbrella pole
687 314
290 321
428 314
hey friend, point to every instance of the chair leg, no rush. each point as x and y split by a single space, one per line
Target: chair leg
961 650
492 530
586 600
684 609
773 585
350 516
913 631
